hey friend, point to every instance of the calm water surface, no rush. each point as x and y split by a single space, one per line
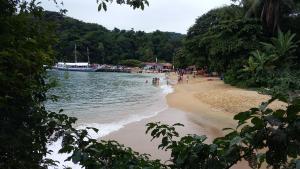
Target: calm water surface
107 100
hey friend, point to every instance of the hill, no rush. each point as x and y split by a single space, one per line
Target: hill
110 46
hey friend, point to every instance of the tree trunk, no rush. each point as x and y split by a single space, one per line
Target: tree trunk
270 15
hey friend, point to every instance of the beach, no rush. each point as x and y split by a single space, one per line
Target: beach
203 105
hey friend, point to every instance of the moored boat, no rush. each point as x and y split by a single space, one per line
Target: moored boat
79 67
76 66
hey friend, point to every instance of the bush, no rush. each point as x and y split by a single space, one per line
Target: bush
262 135
131 63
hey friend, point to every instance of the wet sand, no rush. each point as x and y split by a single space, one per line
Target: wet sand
204 106
133 135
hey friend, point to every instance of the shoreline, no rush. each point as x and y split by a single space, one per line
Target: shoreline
204 105
133 135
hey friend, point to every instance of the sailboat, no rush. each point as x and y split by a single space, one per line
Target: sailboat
76 66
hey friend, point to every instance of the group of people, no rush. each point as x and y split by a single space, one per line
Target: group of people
185 74
155 81
181 78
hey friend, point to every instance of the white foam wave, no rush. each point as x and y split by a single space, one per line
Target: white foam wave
167 89
104 129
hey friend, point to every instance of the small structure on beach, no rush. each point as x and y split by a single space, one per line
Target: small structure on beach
167 66
153 66
160 67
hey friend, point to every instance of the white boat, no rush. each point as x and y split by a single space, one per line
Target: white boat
77 66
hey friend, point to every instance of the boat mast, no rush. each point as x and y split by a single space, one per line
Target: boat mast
75 52
88 54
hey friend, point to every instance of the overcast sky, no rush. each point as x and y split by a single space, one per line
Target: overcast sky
164 15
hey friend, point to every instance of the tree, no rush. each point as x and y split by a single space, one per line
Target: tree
181 59
131 63
117 45
25 124
274 62
282 48
272 12
101 51
221 37
256 62
102 4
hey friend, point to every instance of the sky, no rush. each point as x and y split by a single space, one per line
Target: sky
163 15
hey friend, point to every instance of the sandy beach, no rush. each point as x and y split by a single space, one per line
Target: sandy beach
203 105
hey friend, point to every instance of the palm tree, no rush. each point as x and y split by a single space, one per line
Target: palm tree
257 62
277 55
271 11
282 48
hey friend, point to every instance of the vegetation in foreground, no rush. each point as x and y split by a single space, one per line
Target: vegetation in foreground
26 127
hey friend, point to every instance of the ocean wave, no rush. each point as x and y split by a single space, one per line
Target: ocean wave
167 89
104 130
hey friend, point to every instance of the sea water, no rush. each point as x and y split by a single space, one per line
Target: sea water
106 101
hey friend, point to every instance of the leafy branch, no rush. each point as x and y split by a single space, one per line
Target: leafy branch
262 135
102 4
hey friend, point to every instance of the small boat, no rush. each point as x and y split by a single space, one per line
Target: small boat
76 66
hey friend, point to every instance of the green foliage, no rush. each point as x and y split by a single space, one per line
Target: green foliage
262 135
214 17
110 47
257 68
282 50
131 63
230 41
238 77
221 37
24 48
102 4
91 153
181 59
271 12
275 66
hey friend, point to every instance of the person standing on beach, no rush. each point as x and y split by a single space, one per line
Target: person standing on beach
187 79
167 78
